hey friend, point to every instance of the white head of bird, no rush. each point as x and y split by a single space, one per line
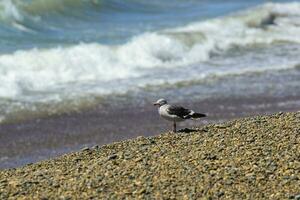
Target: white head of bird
160 102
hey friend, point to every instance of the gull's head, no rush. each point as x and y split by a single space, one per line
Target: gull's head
160 102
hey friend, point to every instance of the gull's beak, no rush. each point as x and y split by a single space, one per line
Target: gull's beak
155 104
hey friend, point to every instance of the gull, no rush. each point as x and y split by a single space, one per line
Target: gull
175 113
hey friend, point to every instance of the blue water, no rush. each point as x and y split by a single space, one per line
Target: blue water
57 53
55 23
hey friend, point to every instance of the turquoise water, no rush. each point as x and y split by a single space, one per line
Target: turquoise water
29 24
57 55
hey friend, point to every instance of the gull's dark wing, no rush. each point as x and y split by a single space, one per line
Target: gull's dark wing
178 110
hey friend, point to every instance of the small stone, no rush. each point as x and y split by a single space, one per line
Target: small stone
228 182
142 191
16 193
64 198
221 126
152 141
138 159
294 178
96 147
280 113
251 140
3 181
203 129
220 194
112 157
140 138
76 159
85 149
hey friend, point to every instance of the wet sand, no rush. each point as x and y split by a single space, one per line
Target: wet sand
39 139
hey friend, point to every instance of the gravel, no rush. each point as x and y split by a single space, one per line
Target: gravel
252 158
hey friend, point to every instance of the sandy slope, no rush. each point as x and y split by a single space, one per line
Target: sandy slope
252 158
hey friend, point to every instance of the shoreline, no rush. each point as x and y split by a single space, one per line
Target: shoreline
45 138
251 158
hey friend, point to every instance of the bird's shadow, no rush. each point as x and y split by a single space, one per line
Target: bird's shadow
187 130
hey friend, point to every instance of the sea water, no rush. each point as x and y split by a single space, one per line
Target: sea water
63 55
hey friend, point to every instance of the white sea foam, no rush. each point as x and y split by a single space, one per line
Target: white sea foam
49 71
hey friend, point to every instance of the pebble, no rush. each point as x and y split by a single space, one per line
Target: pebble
85 149
112 157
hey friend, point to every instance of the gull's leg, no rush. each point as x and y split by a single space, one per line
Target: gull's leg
174 127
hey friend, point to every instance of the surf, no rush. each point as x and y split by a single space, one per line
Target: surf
46 75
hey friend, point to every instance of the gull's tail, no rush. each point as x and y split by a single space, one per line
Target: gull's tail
194 115
197 115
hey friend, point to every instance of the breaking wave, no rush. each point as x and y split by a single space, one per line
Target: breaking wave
41 74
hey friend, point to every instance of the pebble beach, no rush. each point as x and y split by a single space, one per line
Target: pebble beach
251 158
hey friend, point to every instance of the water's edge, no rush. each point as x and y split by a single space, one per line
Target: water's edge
41 139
